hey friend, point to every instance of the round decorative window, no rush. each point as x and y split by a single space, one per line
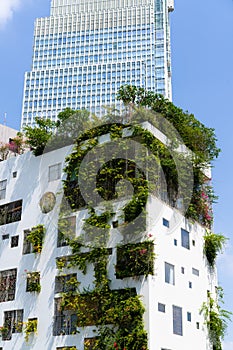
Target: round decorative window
47 202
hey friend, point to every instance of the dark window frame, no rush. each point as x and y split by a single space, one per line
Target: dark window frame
11 212
177 320
185 239
13 323
8 280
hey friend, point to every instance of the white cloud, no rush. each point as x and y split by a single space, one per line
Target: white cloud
7 8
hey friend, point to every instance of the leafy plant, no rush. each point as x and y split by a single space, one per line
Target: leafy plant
135 259
213 244
197 137
216 318
33 282
36 236
4 331
37 137
30 327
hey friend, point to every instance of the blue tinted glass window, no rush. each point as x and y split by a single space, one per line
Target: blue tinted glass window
177 320
161 307
165 222
185 241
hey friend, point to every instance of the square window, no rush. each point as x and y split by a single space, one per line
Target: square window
54 172
161 307
135 260
3 189
165 222
177 320
14 241
189 316
66 283
185 239
195 272
169 273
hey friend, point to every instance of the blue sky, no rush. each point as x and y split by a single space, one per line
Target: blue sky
202 57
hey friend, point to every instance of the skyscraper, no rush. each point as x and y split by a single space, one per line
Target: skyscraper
86 49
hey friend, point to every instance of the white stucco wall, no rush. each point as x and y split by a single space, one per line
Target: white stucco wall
30 184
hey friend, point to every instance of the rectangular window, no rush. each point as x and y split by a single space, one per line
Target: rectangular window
185 239
195 272
90 343
14 241
165 222
10 212
67 348
67 283
33 239
7 285
13 323
33 282
161 307
27 245
177 320
66 228
65 323
169 273
189 316
3 189
54 172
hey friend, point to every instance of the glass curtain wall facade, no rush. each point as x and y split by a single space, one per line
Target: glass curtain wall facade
85 50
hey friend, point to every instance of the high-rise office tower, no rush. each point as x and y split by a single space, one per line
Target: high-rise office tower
86 49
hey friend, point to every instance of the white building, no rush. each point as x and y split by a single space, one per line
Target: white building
85 50
172 293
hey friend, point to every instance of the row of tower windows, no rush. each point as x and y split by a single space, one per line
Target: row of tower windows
93 48
89 59
91 37
79 78
74 70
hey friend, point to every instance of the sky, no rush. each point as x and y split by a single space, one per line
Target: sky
202 58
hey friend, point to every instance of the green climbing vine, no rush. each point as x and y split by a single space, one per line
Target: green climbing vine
123 309
216 318
135 260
